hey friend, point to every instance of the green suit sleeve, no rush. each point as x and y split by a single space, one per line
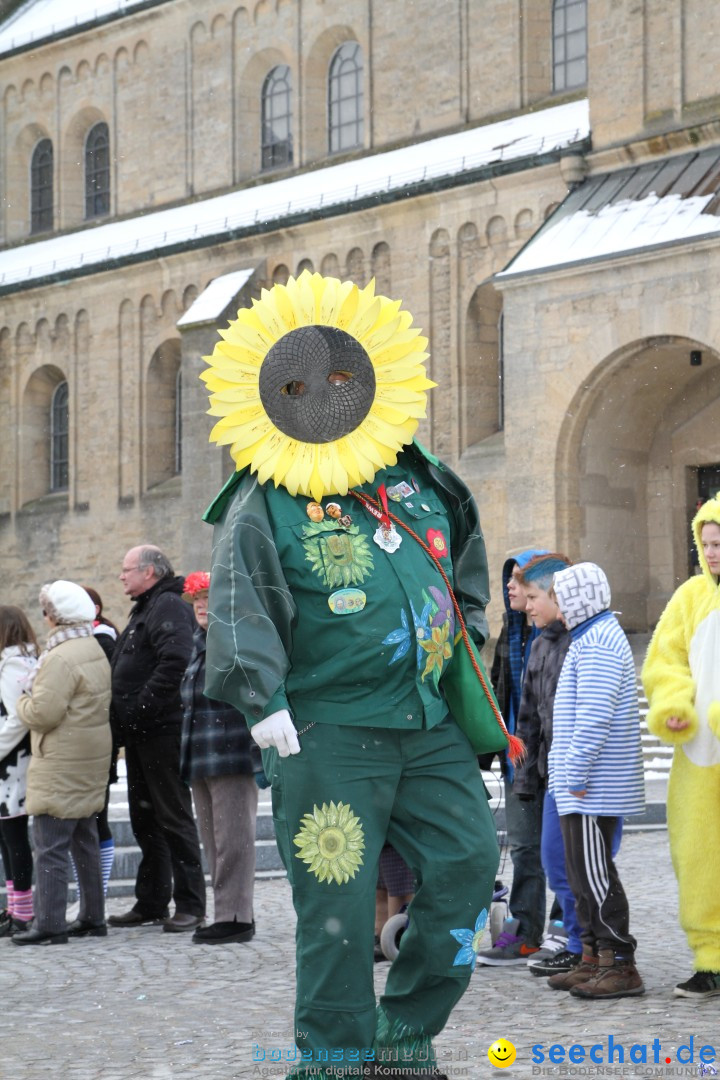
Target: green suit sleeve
468 550
252 612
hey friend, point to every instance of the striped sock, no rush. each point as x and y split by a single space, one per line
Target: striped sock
10 890
23 905
107 858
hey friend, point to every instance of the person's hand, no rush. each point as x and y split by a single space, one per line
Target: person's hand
579 794
279 731
674 723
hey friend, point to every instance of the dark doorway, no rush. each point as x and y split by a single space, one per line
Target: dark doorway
704 484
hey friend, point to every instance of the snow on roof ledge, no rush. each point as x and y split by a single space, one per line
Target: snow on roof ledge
315 191
41 20
213 300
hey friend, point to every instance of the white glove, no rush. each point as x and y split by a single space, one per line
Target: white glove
279 731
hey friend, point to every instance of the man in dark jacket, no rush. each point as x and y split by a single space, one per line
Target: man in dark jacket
146 716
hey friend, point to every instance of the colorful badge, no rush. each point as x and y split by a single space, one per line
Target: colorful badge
388 538
437 543
340 558
394 494
333 510
347 601
314 511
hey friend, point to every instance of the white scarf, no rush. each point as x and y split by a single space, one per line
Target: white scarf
59 634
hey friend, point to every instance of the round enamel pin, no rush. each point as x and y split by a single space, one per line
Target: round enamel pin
347 601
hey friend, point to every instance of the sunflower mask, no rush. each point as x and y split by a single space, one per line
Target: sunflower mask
318 385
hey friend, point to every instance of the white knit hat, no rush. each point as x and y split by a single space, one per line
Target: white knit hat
67 603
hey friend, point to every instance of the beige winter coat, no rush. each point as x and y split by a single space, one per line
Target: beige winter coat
67 713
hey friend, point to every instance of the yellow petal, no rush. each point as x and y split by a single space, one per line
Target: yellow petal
348 299
241 414
367 448
393 436
389 413
285 307
240 354
365 320
233 394
380 336
304 299
268 317
250 334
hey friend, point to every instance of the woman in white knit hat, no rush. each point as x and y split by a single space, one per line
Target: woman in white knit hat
66 710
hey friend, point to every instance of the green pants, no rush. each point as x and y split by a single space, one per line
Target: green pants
334 805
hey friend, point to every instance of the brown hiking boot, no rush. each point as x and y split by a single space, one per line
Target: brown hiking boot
615 978
581 973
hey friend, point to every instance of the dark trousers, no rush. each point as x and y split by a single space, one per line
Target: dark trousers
600 901
162 822
15 851
333 805
54 838
523 819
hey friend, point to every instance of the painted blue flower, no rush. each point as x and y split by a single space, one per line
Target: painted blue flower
470 941
401 636
422 629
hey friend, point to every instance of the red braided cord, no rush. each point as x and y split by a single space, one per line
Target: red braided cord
513 741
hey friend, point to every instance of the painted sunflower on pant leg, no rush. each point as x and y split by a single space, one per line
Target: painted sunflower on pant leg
318 385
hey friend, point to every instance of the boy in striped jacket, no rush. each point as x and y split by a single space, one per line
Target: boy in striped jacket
595 774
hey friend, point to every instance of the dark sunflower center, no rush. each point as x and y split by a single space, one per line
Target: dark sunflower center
317 384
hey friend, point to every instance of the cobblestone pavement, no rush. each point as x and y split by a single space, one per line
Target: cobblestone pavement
145 1005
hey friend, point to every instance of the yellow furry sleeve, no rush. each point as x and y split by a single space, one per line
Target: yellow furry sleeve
666 673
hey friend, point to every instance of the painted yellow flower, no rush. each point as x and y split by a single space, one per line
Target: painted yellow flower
377 398
438 648
331 842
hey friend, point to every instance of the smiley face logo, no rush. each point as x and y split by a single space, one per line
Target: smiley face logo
501 1053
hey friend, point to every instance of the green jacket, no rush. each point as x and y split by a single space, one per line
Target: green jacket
315 617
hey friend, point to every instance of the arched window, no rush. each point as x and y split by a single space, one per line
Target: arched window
163 415
178 422
569 44
59 430
97 171
41 187
277 149
345 97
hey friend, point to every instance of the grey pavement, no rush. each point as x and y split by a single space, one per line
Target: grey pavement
145 1005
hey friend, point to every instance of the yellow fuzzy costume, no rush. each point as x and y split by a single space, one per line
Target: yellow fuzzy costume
681 676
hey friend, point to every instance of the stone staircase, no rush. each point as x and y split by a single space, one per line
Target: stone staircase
127 854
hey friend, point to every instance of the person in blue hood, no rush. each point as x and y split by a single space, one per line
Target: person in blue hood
522 933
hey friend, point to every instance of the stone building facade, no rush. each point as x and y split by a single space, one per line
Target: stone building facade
571 397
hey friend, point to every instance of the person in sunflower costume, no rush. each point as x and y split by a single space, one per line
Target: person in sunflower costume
331 628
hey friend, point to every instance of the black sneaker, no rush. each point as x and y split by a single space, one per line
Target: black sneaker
703 984
561 961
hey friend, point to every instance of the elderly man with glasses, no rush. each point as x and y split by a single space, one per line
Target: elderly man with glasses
146 716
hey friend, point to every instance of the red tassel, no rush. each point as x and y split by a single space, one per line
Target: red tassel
516 749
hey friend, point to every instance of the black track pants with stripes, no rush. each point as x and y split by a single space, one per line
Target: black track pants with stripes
600 900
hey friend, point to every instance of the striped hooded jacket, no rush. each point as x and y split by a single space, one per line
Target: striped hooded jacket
596 743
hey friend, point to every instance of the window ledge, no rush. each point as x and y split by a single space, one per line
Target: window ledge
166 488
52 502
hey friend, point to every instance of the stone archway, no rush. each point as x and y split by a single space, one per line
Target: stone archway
628 453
